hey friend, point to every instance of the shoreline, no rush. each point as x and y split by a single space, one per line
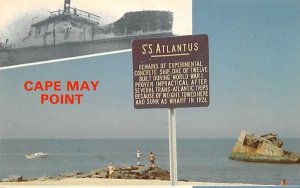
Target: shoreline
115 182
128 175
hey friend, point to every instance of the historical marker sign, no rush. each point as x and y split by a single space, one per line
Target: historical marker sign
171 72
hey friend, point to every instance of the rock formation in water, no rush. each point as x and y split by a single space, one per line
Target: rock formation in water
129 172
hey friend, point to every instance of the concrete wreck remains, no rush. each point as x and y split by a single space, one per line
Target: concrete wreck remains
266 148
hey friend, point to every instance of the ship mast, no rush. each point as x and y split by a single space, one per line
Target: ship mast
67 6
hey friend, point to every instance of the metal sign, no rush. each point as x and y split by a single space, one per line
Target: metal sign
168 73
171 72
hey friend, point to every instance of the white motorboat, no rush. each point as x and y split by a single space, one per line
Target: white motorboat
36 155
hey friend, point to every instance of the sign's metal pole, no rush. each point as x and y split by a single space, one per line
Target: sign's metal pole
172 146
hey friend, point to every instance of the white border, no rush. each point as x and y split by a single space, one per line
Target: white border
64 59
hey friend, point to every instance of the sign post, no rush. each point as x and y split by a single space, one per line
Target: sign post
172 146
171 72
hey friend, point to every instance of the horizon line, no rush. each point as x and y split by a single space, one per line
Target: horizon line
125 138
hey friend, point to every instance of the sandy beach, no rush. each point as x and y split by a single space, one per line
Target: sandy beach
113 182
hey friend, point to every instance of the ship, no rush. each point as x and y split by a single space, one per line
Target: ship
36 155
73 32
267 148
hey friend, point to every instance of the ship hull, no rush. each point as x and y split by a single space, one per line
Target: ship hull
260 150
18 56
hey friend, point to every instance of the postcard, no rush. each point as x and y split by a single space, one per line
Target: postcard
160 93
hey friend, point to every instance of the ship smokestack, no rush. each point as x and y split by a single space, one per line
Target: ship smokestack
67 6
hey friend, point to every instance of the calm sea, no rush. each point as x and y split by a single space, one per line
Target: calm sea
198 159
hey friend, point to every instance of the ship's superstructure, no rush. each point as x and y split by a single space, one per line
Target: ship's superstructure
67 25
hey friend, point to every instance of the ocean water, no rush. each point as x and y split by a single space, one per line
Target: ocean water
198 159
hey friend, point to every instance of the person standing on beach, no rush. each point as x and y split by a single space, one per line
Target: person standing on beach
138 156
151 158
283 182
110 170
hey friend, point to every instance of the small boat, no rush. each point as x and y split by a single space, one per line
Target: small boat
266 148
36 155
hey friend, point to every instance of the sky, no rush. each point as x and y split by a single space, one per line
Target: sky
17 16
254 83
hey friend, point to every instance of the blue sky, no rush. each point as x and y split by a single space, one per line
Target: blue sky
254 64
254 83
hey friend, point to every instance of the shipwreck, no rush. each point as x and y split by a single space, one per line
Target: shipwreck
73 32
266 148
